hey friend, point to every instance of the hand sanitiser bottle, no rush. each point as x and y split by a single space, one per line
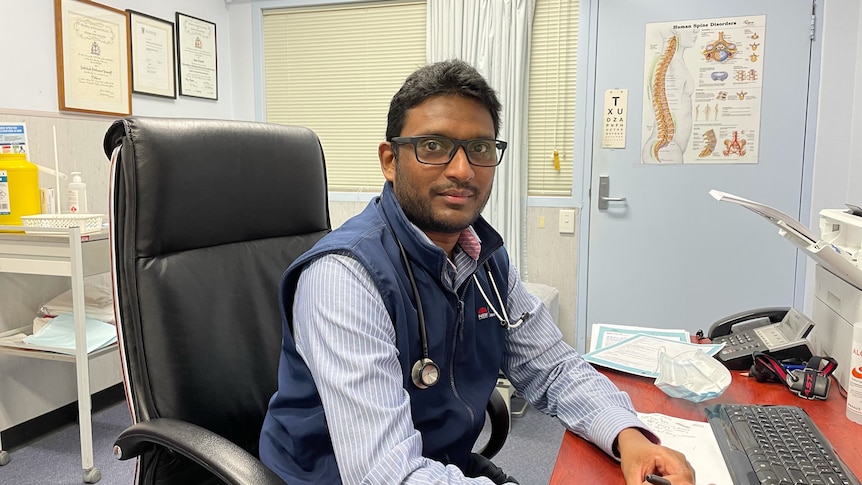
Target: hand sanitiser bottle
854 385
77 195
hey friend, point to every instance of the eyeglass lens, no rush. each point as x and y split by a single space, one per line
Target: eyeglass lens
441 150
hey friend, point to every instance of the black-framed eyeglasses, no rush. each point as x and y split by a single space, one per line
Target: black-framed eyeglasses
440 150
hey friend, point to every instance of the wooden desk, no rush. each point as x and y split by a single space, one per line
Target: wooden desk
582 462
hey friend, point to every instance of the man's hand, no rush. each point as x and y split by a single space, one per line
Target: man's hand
640 456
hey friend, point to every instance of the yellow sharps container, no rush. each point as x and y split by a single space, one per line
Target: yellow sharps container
19 188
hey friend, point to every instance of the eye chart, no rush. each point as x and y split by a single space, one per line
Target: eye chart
614 126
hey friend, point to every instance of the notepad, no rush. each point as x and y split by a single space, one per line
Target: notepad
696 441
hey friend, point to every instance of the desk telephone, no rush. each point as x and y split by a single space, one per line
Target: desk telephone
778 331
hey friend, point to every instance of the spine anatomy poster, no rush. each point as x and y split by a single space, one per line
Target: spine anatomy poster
703 86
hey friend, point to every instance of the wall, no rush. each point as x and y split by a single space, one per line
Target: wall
32 85
29 93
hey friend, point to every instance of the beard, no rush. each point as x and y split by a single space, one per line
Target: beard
419 210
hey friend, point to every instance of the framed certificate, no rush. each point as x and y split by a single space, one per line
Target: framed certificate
153 51
93 70
197 57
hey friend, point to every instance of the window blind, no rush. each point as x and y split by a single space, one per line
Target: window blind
551 122
334 69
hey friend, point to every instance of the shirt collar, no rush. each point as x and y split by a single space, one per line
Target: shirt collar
468 240
470 243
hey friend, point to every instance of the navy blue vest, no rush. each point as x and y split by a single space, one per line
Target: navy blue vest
465 340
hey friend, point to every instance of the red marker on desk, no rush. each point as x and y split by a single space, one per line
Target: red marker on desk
657 480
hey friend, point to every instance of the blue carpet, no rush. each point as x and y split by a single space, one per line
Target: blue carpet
56 459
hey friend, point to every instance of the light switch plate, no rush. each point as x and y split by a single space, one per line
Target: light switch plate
567 221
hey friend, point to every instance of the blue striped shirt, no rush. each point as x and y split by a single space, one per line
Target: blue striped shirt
345 335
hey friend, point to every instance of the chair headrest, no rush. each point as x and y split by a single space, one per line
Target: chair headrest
206 174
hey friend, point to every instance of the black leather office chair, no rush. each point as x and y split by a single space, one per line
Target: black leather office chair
205 216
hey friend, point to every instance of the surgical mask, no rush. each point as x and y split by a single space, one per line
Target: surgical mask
694 376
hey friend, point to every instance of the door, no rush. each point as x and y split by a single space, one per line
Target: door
670 255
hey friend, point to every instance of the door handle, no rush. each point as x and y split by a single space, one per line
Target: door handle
604 189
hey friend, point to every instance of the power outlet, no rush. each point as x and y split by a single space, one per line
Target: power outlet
567 221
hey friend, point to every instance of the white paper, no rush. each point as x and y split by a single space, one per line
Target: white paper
695 440
59 335
828 255
639 354
607 334
774 215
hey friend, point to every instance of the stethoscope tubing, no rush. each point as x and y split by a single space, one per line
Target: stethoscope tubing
420 377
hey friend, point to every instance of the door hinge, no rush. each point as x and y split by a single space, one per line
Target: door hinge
811 28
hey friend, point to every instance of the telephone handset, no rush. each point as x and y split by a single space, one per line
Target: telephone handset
778 331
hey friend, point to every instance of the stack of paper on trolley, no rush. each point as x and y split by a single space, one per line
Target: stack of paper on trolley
58 335
636 350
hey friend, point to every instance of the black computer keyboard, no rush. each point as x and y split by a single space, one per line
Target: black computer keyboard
775 445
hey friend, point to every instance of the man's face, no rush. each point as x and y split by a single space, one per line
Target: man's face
442 199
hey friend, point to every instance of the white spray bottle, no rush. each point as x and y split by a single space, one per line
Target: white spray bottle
77 195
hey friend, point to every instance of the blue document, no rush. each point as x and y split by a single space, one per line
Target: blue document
58 335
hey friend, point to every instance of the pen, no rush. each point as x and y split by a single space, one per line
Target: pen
657 480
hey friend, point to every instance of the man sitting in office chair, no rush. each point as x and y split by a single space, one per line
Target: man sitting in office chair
396 323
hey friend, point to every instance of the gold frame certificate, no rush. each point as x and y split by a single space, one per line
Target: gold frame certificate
197 57
93 51
153 51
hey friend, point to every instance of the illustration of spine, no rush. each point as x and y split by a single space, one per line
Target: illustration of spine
710 140
663 118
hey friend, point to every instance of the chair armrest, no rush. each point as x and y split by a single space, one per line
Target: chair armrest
500 418
223 458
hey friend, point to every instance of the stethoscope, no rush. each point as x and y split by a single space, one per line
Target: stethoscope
425 372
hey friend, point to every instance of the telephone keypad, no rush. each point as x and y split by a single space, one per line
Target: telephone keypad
746 342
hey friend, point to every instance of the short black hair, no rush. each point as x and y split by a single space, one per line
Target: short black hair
452 76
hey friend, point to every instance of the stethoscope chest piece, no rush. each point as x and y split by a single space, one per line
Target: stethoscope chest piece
425 373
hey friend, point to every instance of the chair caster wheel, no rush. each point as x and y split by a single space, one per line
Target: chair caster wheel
92 475
4 458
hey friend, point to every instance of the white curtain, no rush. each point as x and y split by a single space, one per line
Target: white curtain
494 37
